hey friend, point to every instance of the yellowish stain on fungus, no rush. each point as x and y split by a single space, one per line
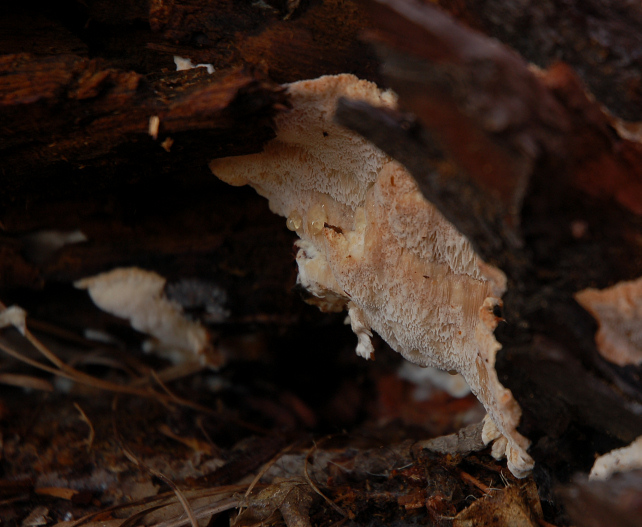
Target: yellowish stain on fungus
316 218
294 221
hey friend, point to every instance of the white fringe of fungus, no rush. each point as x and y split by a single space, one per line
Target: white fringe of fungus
618 460
14 316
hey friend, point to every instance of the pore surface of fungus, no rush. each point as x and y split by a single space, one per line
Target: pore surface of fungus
370 243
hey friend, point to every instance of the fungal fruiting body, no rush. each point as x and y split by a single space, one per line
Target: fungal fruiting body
619 460
138 296
370 243
618 311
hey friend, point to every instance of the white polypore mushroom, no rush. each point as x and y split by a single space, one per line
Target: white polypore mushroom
370 243
138 296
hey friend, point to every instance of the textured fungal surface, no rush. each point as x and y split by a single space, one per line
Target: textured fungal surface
371 244
618 311
138 296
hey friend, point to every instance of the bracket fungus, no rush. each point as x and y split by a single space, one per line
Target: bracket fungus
372 245
138 296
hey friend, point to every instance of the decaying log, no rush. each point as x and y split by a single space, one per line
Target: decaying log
294 40
528 167
291 40
68 113
80 89
100 136
71 111
599 39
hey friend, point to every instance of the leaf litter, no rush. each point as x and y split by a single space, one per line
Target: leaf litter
195 450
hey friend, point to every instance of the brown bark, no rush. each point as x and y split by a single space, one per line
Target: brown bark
599 39
293 40
77 151
515 160
71 111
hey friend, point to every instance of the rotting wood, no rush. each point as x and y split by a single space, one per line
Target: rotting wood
69 112
97 55
599 39
91 161
561 165
293 40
